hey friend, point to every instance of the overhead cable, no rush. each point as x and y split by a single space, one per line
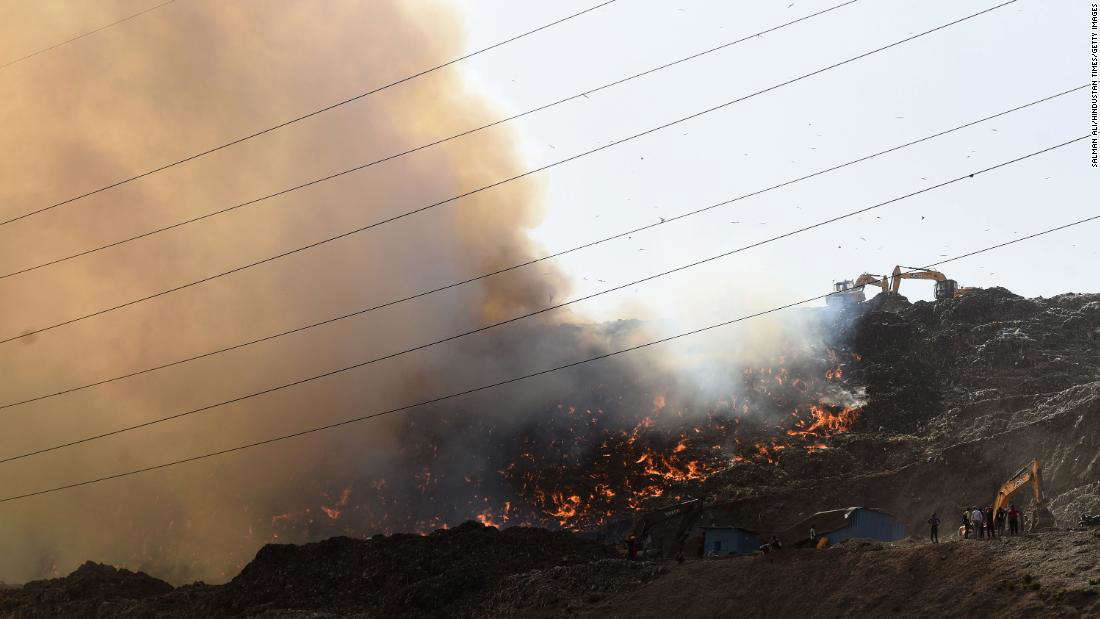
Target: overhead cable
515 379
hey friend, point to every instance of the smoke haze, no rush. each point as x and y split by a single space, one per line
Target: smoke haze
196 74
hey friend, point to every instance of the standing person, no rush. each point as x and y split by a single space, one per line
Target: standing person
991 530
1013 520
813 534
976 520
934 526
632 547
1002 516
966 523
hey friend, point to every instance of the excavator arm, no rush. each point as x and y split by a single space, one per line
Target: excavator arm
898 275
1030 473
868 279
945 288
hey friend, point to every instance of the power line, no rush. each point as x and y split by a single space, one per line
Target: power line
369 164
556 254
500 182
544 309
78 37
501 383
304 116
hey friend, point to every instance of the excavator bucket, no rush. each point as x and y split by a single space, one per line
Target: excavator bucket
1039 518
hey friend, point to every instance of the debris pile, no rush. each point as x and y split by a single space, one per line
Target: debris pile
93 589
960 393
452 571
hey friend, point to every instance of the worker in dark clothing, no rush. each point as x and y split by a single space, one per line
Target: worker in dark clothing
934 525
990 529
1002 516
1013 521
966 524
632 547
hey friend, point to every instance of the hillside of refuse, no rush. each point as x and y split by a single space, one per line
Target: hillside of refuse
954 397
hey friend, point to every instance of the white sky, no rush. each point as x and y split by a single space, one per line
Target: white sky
994 62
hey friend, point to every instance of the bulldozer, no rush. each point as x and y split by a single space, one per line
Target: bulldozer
848 292
1031 473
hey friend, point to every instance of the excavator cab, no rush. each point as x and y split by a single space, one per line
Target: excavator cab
947 289
845 295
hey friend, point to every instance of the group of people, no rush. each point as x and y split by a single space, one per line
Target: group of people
980 523
772 544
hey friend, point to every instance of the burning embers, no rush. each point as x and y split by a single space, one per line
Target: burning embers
668 467
580 465
825 421
668 456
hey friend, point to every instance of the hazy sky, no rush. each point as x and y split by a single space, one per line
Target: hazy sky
196 72
1016 54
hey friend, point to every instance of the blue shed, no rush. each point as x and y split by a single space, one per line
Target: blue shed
727 541
838 525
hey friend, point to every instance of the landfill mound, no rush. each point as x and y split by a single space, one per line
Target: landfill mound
959 395
955 396
95 587
446 572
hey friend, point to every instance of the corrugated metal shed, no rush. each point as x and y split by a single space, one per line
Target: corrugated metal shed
838 525
726 541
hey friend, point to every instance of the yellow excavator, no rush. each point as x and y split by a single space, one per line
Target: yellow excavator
945 288
848 292
1029 474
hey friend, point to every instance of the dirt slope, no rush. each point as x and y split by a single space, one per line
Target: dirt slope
529 572
1052 574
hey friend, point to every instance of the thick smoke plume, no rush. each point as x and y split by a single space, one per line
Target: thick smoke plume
161 87
194 74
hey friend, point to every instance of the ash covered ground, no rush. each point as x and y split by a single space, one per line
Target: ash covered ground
911 408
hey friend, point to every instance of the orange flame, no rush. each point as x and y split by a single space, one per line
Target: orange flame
825 423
